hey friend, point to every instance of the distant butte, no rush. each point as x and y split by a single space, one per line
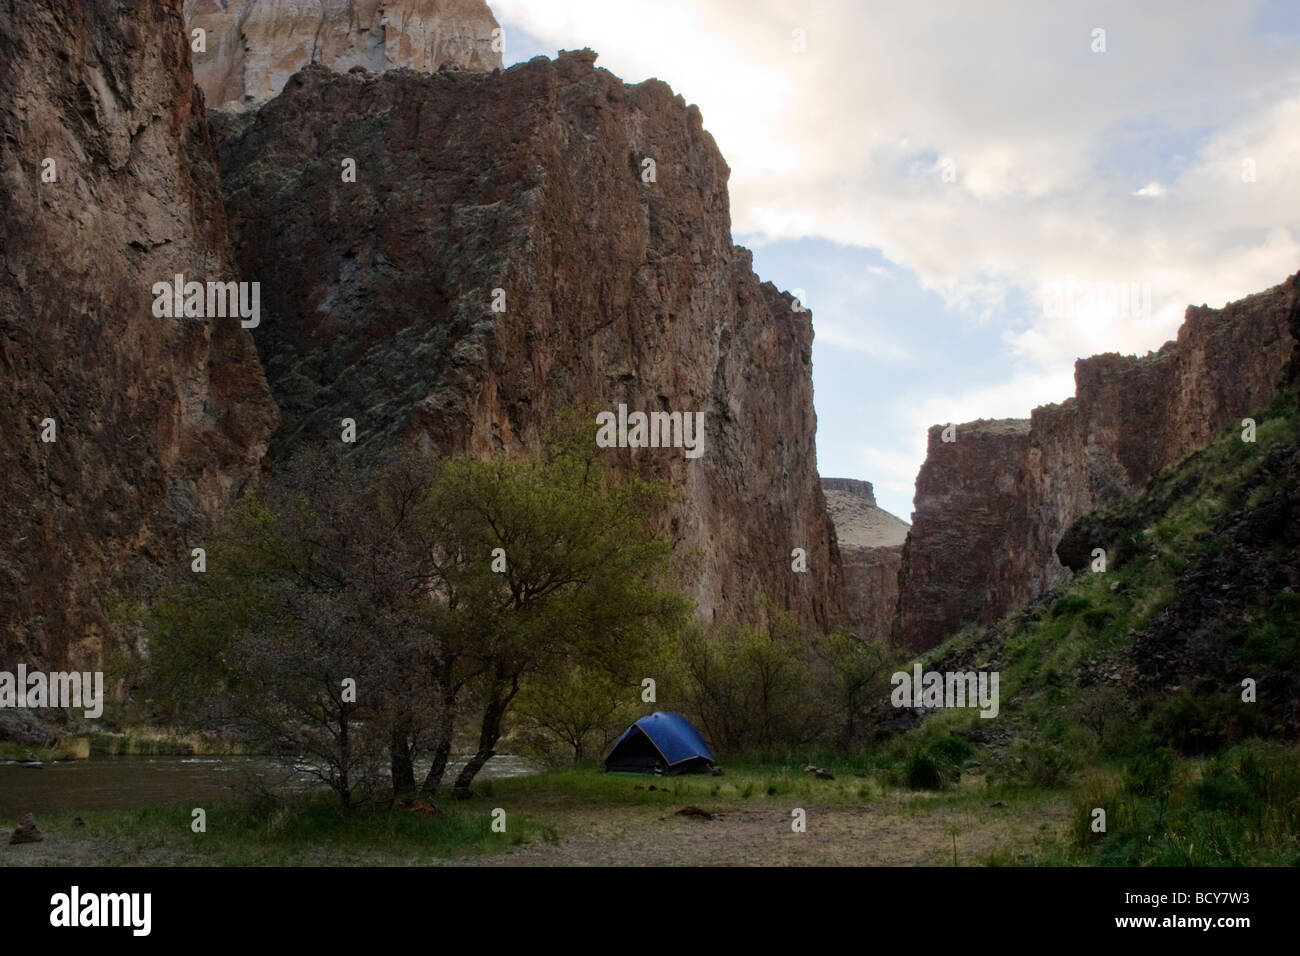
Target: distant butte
252 47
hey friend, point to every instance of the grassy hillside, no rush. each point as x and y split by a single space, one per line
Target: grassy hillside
1124 687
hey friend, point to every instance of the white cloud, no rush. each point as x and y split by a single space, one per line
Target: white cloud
1012 398
893 474
847 141
870 342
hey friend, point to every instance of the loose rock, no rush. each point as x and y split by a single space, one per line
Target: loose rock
27 831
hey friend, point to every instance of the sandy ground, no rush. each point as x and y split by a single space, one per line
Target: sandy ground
60 849
762 836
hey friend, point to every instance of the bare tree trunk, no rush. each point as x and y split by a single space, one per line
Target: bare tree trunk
471 769
442 748
402 759
489 734
441 754
345 785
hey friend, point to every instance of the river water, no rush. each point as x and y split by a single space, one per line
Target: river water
122 783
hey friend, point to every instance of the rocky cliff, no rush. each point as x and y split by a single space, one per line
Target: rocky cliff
992 505
969 497
252 47
871 548
108 184
517 243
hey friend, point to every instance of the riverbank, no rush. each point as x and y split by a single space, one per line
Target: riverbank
136 742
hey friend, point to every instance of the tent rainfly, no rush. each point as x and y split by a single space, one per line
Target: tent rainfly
660 743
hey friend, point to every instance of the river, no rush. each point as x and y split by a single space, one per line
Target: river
121 783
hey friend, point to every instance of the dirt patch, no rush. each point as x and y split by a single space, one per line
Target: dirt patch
890 835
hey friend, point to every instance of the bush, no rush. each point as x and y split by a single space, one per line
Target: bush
1099 618
1070 604
1151 775
1101 708
936 764
1096 792
955 750
1198 725
746 687
1044 765
1219 791
775 686
922 770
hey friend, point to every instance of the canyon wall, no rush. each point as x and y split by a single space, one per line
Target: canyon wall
521 242
969 498
871 548
108 184
252 47
992 505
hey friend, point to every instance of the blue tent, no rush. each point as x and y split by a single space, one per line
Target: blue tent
660 743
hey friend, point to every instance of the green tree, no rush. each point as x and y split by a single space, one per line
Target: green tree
851 673
310 629
438 588
580 707
749 686
580 577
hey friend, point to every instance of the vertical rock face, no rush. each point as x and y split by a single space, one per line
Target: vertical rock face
157 421
992 506
969 492
254 46
506 251
871 548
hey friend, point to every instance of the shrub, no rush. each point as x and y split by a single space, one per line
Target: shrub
1099 618
1070 604
922 770
1220 791
1101 708
1151 775
1096 792
936 764
1044 765
951 748
773 687
1193 724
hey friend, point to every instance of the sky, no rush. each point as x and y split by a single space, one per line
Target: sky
971 196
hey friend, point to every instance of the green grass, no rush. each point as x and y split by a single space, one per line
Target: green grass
1241 808
15 751
1158 766
1272 640
745 780
308 831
